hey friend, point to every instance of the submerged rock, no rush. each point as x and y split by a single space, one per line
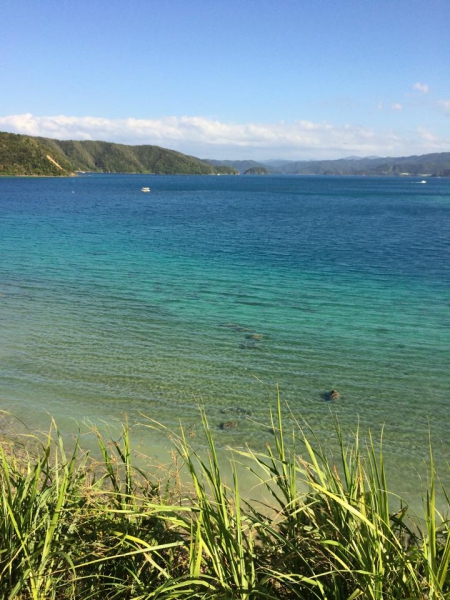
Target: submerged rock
330 396
254 336
250 345
228 425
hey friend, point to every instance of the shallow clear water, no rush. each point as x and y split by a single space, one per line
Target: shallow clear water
115 301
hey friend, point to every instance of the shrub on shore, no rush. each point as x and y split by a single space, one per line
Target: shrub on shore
74 528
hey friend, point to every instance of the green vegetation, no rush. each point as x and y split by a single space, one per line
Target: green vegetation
225 170
71 528
105 157
240 166
25 155
257 171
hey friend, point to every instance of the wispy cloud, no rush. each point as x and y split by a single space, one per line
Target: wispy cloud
206 137
421 87
431 142
445 104
427 135
397 106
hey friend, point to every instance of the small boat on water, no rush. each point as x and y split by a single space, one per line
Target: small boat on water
423 181
145 189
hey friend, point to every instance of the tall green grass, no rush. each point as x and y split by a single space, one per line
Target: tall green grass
72 527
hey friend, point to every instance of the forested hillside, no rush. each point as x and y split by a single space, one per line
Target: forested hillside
26 155
239 165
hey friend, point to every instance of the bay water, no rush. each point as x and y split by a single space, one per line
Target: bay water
211 291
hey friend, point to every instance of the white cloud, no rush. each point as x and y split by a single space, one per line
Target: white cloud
422 87
211 138
431 142
397 106
425 134
445 104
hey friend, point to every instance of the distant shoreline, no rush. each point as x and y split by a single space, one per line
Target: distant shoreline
374 176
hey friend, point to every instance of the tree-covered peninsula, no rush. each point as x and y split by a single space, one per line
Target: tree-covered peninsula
257 171
27 155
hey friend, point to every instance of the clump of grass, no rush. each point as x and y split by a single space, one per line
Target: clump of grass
35 518
73 528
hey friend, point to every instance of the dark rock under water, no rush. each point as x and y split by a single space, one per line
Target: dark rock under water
225 425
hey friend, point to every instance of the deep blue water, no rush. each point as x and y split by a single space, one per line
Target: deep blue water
116 301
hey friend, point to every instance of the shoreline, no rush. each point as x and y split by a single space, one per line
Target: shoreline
337 175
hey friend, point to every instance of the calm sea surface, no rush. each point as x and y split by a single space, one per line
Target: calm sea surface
210 290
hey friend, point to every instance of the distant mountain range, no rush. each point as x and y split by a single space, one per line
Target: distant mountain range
275 162
240 165
27 155
429 165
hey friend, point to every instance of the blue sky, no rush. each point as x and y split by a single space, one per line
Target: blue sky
238 79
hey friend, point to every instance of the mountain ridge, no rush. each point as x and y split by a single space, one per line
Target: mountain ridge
431 165
29 155
23 155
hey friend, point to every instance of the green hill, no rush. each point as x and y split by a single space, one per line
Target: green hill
26 155
257 171
239 165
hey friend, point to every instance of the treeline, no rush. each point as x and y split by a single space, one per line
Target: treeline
26 155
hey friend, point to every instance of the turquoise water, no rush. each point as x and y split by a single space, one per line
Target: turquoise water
115 301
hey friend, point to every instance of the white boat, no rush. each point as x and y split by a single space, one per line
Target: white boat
145 189
423 181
